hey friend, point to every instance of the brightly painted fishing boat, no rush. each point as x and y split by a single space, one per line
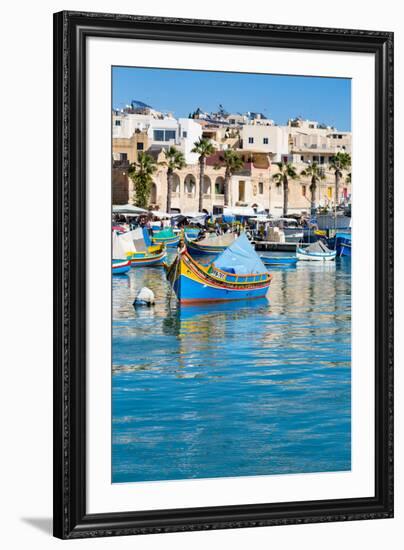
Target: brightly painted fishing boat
210 244
120 266
166 236
343 243
237 274
279 260
136 246
155 256
191 232
317 252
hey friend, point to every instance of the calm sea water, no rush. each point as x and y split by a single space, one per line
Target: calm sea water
239 389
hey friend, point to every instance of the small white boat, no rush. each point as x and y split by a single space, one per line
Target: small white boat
317 252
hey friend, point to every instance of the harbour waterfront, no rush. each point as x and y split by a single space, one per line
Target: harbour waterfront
235 389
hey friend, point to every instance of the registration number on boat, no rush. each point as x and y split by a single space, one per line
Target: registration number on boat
218 274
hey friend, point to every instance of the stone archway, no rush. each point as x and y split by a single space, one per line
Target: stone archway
207 185
219 186
176 184
190 185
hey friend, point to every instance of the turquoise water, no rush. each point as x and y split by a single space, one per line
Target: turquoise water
238 389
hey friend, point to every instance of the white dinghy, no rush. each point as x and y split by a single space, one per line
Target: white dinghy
317 252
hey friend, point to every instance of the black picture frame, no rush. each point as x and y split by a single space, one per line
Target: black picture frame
71 29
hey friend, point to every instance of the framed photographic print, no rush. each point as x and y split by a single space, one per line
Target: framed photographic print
223 274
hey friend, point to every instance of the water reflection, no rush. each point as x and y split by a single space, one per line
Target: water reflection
239 388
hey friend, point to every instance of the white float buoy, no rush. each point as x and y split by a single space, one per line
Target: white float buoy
145 297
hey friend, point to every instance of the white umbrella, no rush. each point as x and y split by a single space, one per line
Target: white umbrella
128 209
162 215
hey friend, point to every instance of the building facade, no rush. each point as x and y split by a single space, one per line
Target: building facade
260 146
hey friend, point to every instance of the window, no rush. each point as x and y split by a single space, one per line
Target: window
219 186
250 140
169 134
140 146
303 190
261 187
184 134
158 135
123 156
117 122
265 141
163 135
301 158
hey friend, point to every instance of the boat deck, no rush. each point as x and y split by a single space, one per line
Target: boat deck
278 247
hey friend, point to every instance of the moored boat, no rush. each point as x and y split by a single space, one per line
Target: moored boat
279 260
120 266
154 257
237 274
166 236
210 244
136 247
317 252
191 232
343 243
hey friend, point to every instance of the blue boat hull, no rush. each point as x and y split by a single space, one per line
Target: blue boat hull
344 249
279 260
118 268
343 244
189 291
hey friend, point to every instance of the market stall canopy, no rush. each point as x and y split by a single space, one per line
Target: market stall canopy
128 209
195 214
162 215
260 218
245 211
196 217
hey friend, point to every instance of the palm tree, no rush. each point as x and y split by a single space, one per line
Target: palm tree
174 160
314 172
339 162
286 171
233 163
141 173
204 148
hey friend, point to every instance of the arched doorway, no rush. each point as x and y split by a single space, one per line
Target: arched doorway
219 186
176 184
190 185
206 185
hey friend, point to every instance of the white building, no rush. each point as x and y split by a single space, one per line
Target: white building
189 132
310 141
269 139
161 131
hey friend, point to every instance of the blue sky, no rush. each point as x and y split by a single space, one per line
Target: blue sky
326 100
